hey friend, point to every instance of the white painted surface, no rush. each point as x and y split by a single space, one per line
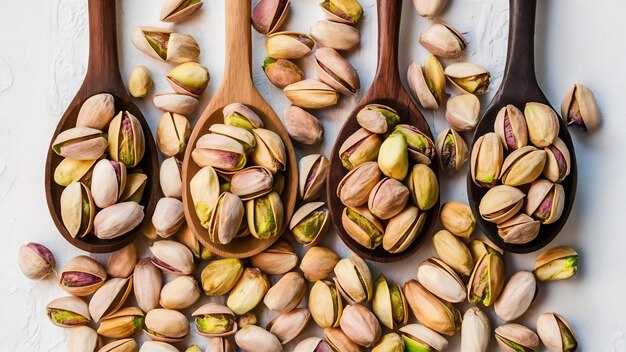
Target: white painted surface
43 60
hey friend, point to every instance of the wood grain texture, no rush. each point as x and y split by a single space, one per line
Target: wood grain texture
237 87
519 86
386 89
103 76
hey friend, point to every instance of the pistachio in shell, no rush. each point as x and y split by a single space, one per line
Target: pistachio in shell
362 226
434 313
83 338
543 124
557 263
354 279
355 188
360 147
402 230
269 15
579 108
302 126
313 170
501 203
519 230
311 94
109 298
418 337
126 139
309 223
345 11
176 103
221 275
205 190
97 111
393 156
451 150
77 209
36 261
336 35
82 276
318 263
289 45
312 344
423 187
475 330
270 150
523 166
68 311
517 296
486 160
215 320
286 294
545 201
265 216
389 304
487 280
510 126
219 151
70 170
240 115
428 85
172 257
122 324
360 325
556 333
558 162
168 216
166 325
287 326
441 280
117 220
255 338
80 143
226 218
170 177
388 198
325 304
248 292
444 41
453 252
377 118
164 45
336 71
122 345
458 218
179 10
338 341
421 147
139 82
180 293
148 280
467 77
172 134
390 342
278 259
515 337
282 72
462 112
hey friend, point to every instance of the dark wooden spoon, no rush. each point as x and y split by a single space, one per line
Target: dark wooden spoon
386 89
103 76
519 86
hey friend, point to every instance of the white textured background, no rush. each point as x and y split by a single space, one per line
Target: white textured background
43 57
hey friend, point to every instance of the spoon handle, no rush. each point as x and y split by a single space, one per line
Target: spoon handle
389 12
103 69
238 43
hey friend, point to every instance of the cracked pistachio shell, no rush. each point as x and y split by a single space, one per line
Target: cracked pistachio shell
221 275
475 331
360 325
557 161
68 312
123 345
251 182
393 156
205 190
168 216
403 229
69 171
122 262
83 339
318 263
312 344
172 257
362 226
313 170
269 15
139 82
311 94
248 292
126 139
254 338
336 35
82 276
444 41
282 72
325 304
480 248
558 263
389 304
391 342
215 320
354 279
189 78
519 230
240 134
157 346
441 280
97 111
453 252
270 150
176 103
278 259
180 293
487 280
523 166
501 203
336 71
286 294
148 280
515 337
579 108
219 151
543 124
434 313
309 223
122 324
80 143
287 326
462 112
166 325
164 45
170 178
466 77
344 11
219 344
338 341
239 115
265 216
510 126
226 218
354 189
451 150
423 187
172 134
388 198
429 8
289 45
458 218
302 126
427 85
36 261
110 297
377 118
179 10
418 337
517 296
133 190
421 147
186 236
545 201
556 333
117 220
107 182
360 147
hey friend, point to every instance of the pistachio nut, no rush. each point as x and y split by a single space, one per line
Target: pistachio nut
240 134
269 15
164 45
80 143
205 190
545 201
453 252
543 124
344 11
109 298
362 226
354 279
355 188
148 280
83 339
170 177
176 103
338 341
423 187
311 94
389 304
441 280
336 35
286 294
427 85
487 280
403 229
287 326
360 325
281 72
168 216
377 118
429 8
312 344
122 262
278 259
480 248
452 150
486 160
251 182
139 82
219 344
157 346
172 257
458 218
388 198
237 114
172 134
515 337
421 147
475 331
318 263
226 218
117 220
523 166
558 263
121 324
336 71
265 216
133 190
417 337
221 275
360 147
444 41
97 111
393 156
579 108
166 325
189 78
556 333
501 203
123 345
289 45
254 338
462 112
302 126
82 276
557 161
70 170
313 170
248 292
510 126
519 229
391 342
179 10
180 293
219 151
126 139
431 311
270 150
517 296
68 312
309 223
215 320
325 304
36 261
466 77
107 182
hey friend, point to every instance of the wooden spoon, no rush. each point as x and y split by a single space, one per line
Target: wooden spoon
386 89
103 76
519 86
237 87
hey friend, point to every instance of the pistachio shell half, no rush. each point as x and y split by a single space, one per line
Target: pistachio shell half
240 115
70 170
418 337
